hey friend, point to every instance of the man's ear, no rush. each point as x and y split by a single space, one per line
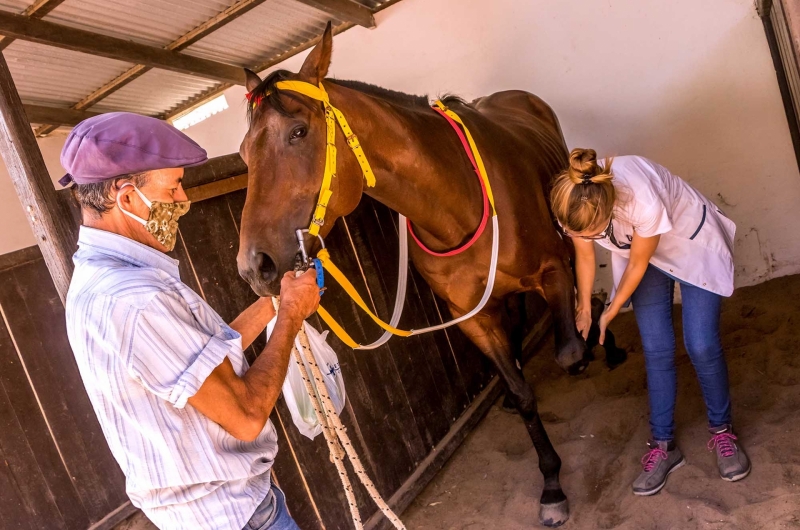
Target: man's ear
122 192
316 65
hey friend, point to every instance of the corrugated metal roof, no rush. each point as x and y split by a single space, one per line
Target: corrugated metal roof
155 92
154 22
268 30
15 6
51 76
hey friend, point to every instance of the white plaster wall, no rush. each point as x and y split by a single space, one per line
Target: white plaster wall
689 84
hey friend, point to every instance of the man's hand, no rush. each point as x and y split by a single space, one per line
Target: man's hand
242 405
300 294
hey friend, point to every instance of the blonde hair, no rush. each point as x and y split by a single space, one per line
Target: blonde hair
583 195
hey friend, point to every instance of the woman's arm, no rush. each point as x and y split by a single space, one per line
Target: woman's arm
642 249
585 270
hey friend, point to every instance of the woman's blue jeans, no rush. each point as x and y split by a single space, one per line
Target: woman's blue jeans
652 305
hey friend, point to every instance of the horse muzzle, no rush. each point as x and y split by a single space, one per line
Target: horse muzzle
261 271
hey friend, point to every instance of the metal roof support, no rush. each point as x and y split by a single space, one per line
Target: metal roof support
43 32
184 41
31 179
344 10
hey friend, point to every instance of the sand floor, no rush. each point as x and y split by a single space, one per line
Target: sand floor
598 424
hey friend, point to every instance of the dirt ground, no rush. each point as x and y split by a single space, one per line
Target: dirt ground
598 424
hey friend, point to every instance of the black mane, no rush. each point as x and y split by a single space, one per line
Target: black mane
270 93
401 98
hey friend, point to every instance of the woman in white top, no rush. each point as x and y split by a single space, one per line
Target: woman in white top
660 230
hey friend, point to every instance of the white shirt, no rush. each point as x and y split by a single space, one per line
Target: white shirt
144 343
696 245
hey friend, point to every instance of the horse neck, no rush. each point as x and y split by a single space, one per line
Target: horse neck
420 167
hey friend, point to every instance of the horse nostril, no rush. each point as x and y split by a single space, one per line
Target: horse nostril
266 267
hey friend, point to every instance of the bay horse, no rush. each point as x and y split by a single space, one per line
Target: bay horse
422 172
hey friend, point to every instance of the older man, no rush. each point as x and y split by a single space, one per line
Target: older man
184 415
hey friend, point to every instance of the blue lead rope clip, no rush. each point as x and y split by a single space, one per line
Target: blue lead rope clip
320 275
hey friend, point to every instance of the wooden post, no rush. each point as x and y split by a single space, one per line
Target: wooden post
36 192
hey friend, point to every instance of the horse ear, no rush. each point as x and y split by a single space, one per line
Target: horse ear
252 80
315 67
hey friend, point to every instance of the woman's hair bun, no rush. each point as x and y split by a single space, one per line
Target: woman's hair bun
583 161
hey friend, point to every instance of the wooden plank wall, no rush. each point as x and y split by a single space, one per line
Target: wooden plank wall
403 398
57 471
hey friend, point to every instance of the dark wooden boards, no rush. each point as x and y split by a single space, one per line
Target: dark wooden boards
216 169
53 414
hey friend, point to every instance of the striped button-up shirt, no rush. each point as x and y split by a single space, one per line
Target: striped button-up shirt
144 343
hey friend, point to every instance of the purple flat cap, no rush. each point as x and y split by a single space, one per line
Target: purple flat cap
120 143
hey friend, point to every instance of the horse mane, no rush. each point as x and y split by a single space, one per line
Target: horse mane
394 96
270 94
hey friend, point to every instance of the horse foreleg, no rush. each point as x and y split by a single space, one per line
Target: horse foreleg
614 355
518 316
487 332
557 288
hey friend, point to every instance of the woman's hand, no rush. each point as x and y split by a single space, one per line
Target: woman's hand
605 319
583 321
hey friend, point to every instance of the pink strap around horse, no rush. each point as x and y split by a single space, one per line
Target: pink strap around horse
484 219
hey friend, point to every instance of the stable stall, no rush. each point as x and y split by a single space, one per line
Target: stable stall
691 86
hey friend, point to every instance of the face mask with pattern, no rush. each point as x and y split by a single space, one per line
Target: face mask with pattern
162 222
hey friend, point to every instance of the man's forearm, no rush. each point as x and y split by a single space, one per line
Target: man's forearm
265 377
253 320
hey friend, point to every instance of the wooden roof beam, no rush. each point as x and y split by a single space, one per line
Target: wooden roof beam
36 10
50 34
56 116
344 10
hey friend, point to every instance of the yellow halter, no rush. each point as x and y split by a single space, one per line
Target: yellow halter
333 115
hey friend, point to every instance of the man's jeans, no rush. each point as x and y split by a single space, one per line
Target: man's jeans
272 514
652 305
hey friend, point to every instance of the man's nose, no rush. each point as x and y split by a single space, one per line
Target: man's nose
180 194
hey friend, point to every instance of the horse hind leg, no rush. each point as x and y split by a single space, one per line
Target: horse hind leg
487 332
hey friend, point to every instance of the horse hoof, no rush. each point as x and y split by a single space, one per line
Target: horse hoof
615 357
554 515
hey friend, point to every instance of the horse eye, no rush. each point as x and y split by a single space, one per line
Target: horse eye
298 132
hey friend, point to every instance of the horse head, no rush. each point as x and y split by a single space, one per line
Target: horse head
285 152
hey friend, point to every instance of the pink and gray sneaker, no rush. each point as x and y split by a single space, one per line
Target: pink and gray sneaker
662 459
732 461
